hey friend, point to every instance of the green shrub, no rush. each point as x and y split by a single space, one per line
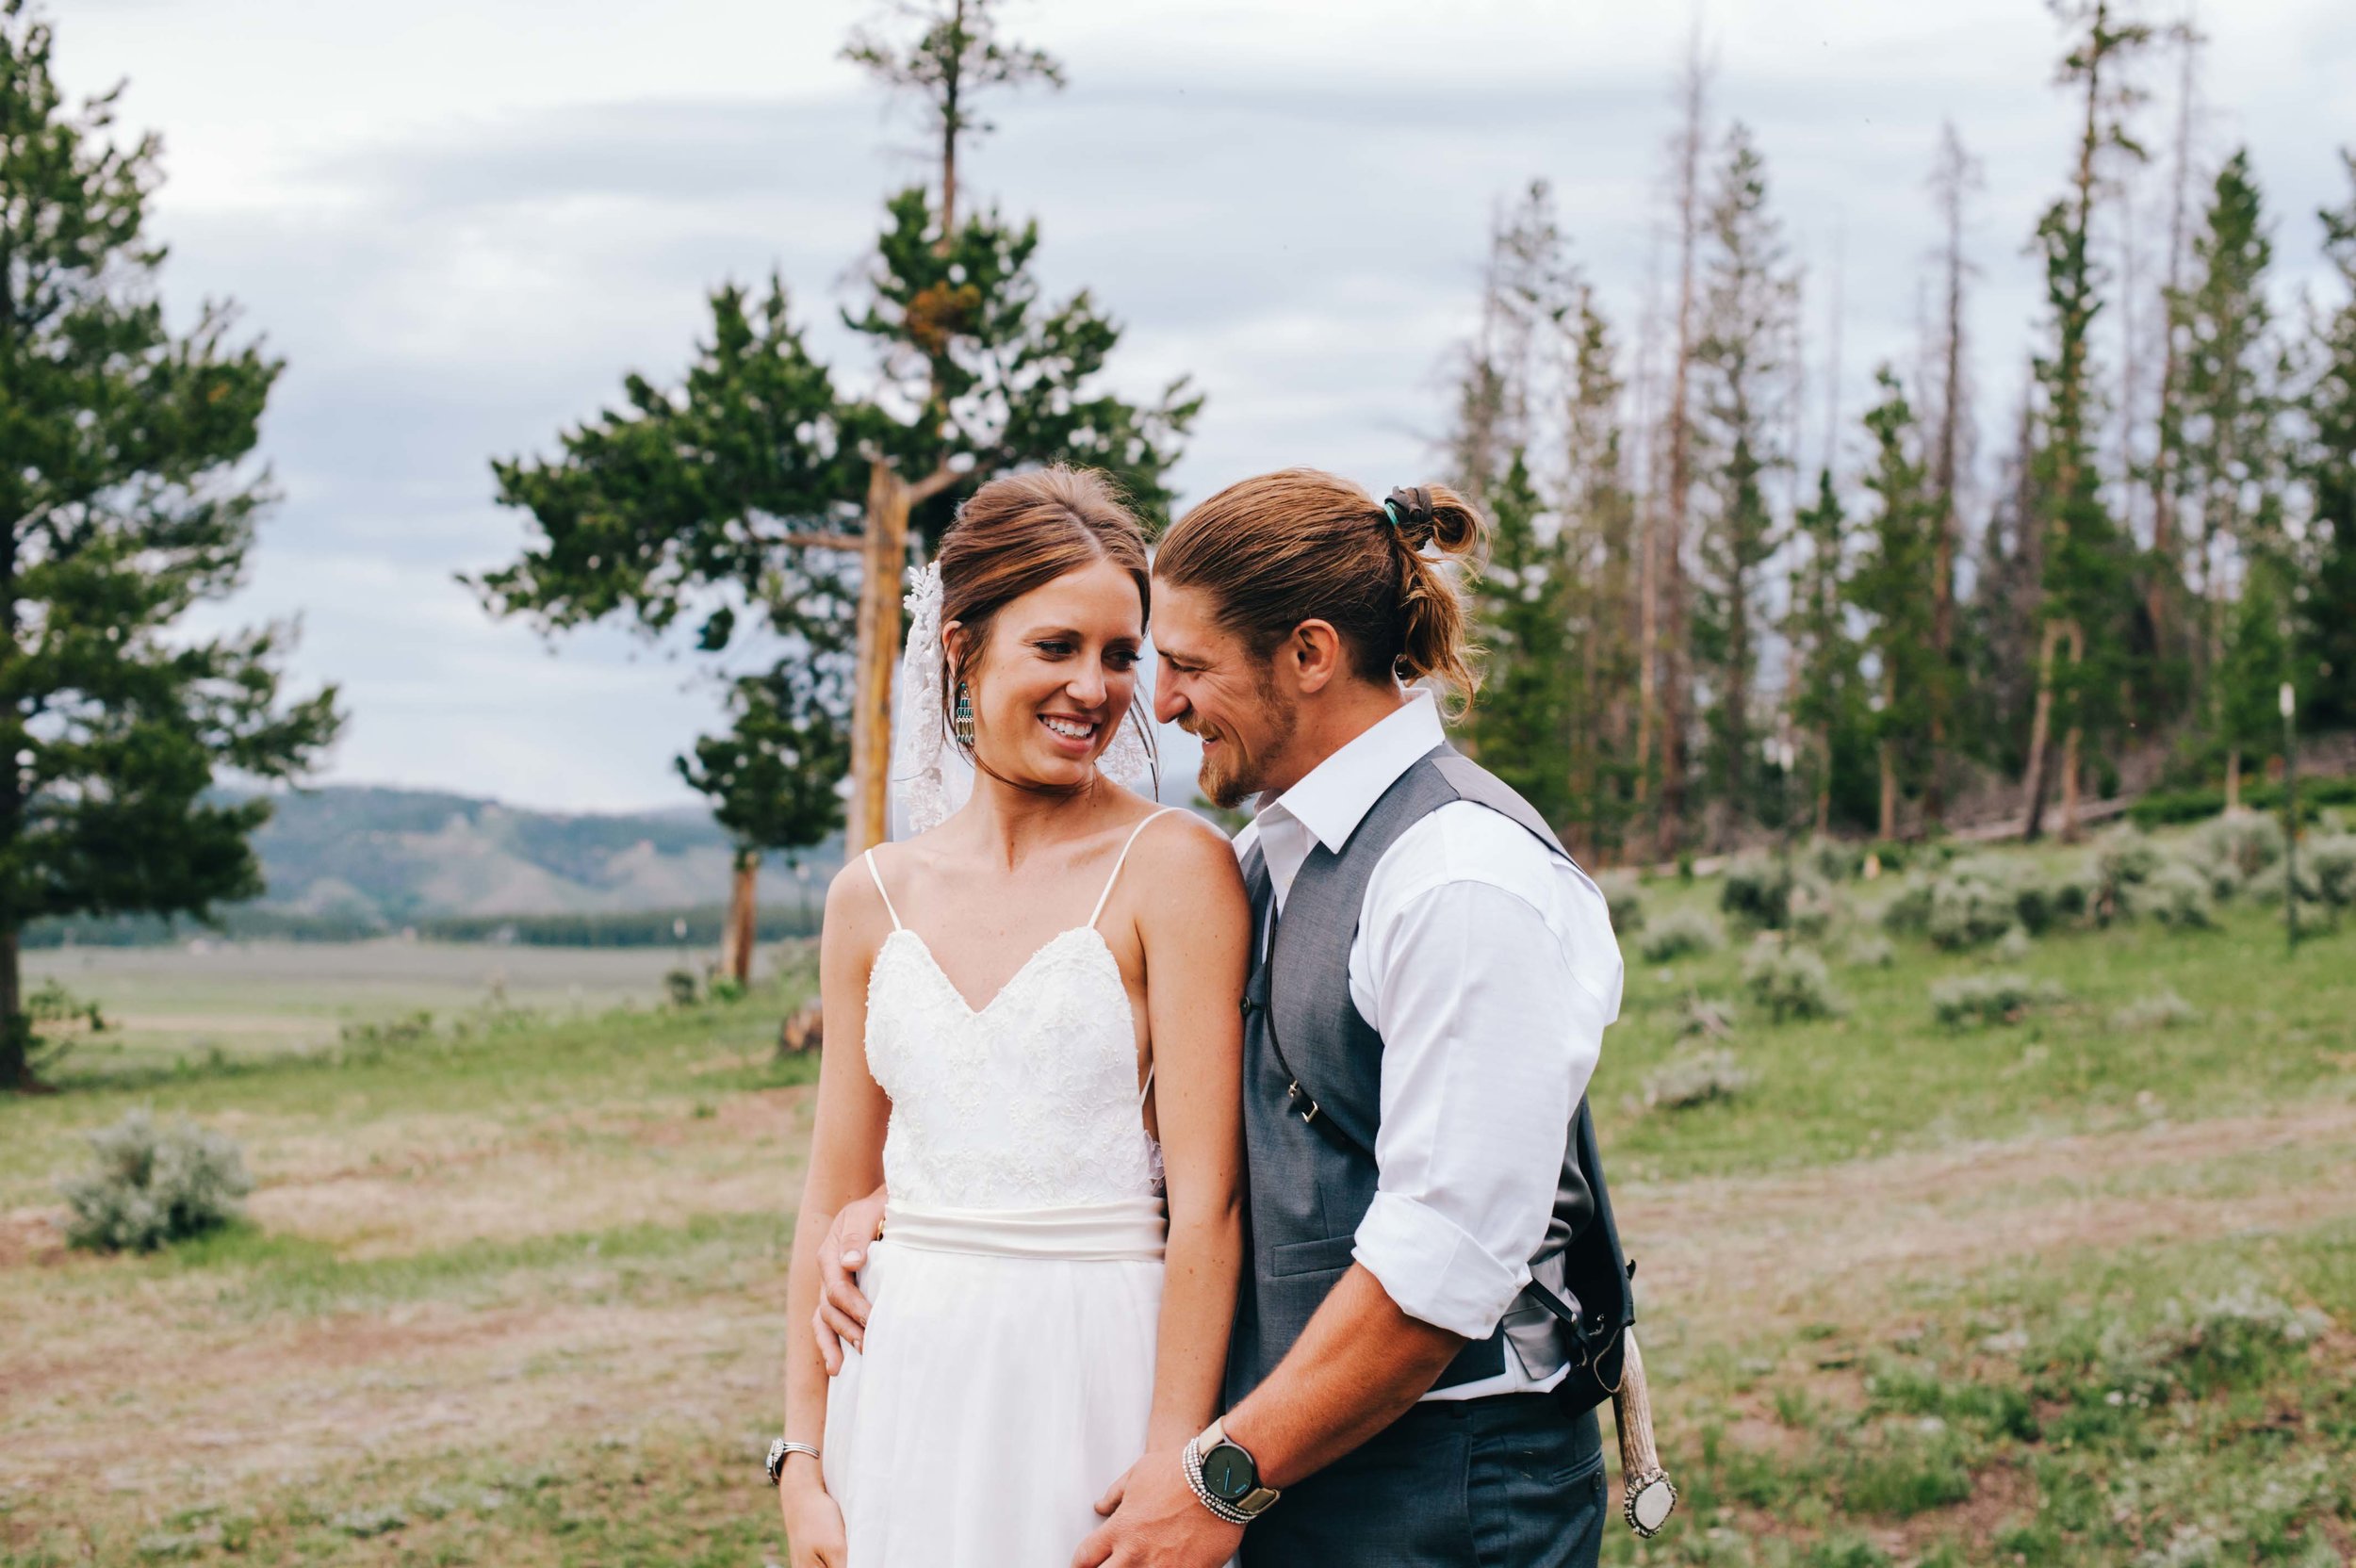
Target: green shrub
1989 998
1678 933
1626 903
147 1185
1832 860
1790 982
2263 795
1695 1079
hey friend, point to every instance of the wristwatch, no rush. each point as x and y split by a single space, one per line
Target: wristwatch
782 1450
1226 1479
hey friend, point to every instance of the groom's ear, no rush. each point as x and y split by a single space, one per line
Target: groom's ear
1315 657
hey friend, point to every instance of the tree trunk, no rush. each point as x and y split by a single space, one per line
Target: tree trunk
2040 731
2232 780
1671 563
2069 785
1888 756
737 938
883 562
16 1069
2074 641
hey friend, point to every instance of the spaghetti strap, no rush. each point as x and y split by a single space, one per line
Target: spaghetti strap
1124 860
870 858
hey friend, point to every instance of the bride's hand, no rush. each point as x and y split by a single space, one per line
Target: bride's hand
813 1523
841 1308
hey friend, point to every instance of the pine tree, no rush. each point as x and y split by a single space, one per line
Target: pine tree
1741 376
2085 577
2327 463
1521 727
128 504
1892 585
763 500
1953 180
1601 566
2228 457
1826 696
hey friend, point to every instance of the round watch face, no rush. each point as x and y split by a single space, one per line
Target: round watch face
1228 1471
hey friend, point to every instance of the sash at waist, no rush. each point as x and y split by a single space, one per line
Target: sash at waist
1126 1229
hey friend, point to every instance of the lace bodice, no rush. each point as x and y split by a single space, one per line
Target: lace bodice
1029 1102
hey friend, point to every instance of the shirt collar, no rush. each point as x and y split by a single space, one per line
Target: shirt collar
1338 793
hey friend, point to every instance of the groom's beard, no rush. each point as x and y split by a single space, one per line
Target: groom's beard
1230 775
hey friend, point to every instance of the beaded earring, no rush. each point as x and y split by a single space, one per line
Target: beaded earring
961 718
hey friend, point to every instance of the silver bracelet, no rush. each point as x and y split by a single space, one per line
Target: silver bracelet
783 1449
1220 1506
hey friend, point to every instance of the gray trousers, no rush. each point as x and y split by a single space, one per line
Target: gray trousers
1502 1483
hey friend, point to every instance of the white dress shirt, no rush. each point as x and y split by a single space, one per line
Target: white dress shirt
1487 964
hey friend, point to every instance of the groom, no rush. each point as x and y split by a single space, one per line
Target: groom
1430 981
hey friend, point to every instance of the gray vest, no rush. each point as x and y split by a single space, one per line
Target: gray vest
1313 1071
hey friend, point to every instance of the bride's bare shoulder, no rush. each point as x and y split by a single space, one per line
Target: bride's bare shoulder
1185 850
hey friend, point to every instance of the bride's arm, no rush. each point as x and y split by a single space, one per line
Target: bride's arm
845 1161
1196 927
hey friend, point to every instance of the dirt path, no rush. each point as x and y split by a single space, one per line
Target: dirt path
284 1400
1820 1243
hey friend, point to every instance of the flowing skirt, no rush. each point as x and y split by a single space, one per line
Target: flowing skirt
1005 1383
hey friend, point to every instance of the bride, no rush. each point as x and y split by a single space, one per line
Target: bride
1032 1032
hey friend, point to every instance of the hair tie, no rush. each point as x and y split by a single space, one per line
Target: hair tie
1410 511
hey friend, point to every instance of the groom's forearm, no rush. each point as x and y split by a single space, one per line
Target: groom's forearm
1359 1365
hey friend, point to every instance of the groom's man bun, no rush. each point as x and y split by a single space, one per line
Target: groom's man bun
1307 546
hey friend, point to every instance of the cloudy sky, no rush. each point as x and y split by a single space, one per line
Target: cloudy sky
462 222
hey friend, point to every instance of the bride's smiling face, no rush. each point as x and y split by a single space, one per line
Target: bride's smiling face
1054 677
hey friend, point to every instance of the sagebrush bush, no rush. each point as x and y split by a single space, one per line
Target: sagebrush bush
1678 933
1790 982
2238 847
149 1185
2014 946
1706 1017
1989 998
1868 952
2124 858
1626 903
1756 889
1695 1079
2272 885
2161 1009
1971 905
1811 907
2332 863
2176 896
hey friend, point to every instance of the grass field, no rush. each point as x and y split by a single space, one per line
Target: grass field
2072 1289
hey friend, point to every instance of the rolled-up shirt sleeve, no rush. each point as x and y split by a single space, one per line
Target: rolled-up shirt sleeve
1489 1040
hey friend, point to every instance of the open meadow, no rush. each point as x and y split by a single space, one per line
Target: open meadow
2070 1277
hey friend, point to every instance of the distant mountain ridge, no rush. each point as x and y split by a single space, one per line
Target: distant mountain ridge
389 856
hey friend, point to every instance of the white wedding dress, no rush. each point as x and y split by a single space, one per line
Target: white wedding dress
1008 1367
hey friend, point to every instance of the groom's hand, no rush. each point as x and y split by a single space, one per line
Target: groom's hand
1157 1522
842 1314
